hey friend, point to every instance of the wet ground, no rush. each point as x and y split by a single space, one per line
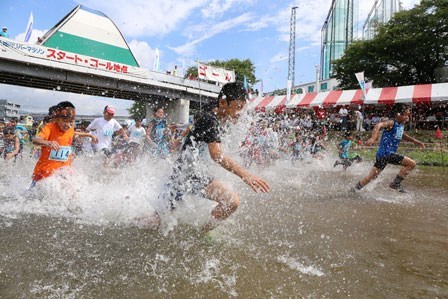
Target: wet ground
309 238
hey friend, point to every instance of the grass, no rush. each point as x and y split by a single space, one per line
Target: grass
435 153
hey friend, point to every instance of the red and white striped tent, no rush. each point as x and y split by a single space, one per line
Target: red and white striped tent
312 99
387 95
425 93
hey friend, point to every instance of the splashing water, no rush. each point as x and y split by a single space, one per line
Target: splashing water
309 237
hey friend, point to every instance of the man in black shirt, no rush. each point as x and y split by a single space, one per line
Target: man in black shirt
190 176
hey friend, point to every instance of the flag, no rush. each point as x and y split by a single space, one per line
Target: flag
362 83
439 134
216 74
245 83
29 28
156 60
260 92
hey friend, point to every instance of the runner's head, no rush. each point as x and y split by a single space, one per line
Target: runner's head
108 112
8 133
138 122
13 121
64 115
400 112
232 99
159 113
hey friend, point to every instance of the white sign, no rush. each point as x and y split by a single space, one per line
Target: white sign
217 74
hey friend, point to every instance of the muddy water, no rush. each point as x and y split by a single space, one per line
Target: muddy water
309 238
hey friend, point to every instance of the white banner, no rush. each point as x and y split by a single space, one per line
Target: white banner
155 68
217 74
362 82
29 28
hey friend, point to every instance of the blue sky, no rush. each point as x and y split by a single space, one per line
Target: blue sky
186 30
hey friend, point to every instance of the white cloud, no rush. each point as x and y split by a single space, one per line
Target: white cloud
147 18
219 7
143 53
207 32
35 33
279 57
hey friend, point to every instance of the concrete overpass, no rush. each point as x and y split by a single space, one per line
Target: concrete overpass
41 67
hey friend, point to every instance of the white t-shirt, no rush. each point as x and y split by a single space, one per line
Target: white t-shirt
137 134
104 131
343 112
358 114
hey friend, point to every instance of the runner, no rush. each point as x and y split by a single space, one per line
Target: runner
190 178
56 141
137 134
392 134
104 128
157 133
345 155
10 144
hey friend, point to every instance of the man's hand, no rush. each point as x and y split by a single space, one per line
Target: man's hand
421 144
256 183
94 139
370 141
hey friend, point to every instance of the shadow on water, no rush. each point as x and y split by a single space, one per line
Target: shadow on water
310 237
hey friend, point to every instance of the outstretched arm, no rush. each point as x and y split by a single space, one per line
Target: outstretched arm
406 137
16 149
43 142
256 183
82 134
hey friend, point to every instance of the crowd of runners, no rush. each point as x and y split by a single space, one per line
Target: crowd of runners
56 141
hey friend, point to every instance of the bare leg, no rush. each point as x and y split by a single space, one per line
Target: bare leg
408 166
227 200
371 176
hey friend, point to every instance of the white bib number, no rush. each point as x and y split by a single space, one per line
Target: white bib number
62 154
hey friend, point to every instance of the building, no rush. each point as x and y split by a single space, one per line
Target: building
337 33
381 13
316 86
8 110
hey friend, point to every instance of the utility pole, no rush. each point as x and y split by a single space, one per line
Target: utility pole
292 48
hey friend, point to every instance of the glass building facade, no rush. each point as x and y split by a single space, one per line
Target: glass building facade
381 12
338 31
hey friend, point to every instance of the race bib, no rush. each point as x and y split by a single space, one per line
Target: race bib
399 133
60 155
108 132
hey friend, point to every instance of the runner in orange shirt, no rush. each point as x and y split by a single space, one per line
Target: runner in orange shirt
56 140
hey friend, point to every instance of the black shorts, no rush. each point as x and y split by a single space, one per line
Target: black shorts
394 159
107 152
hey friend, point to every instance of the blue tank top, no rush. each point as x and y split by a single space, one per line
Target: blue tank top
390 140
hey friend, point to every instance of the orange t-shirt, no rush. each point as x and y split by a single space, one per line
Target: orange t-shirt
49 160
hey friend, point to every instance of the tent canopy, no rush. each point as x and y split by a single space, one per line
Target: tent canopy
388 95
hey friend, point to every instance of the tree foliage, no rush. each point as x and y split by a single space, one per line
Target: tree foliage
138 110
241 67
406 50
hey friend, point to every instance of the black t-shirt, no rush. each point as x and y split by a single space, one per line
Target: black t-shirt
205 129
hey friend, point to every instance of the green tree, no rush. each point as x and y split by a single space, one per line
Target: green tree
138 110
241 67
406 51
